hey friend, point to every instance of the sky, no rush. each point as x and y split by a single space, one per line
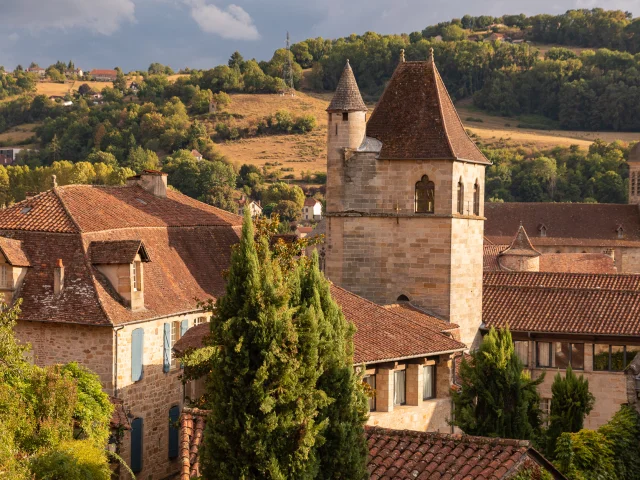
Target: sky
203 33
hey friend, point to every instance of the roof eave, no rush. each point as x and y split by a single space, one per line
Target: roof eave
409 357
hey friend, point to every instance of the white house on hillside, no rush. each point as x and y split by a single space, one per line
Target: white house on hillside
312 209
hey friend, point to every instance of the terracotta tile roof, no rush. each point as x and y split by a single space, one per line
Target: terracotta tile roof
123 251
189 244
383 334
408 310
14 252
415 118
577 263
347 97
310 202
103 72
566 223
521 245
490 257
570 303
192 423
406 454
119 418
634 153
194 338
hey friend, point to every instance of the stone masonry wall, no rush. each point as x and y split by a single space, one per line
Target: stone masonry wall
626 259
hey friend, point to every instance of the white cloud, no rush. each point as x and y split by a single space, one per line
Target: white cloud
101 16
13 37
232 23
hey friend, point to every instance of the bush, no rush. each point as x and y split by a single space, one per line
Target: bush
74 460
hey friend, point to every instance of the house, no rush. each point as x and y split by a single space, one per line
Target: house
495 37
11 152
134 87
5 160
312 209
76 72
254 207
103 75
302 231
41 72
196 154
115 272
407 455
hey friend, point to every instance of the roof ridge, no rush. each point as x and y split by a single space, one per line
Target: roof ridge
66 210
568 274
459 437
438 96
566 288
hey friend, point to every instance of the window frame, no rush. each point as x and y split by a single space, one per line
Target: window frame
609 368
552 356
434 392
371 400
526 342
4 276
550 361
476 199
176 334
428 189
397 373
460 197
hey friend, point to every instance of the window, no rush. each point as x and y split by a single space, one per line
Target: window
370 381
176 334
137 277
424 196
476 198
633 183
543 230
5 276
137 349
460 197
576 356
403 298
399 387
543 354
137 427
522 350
612 358
428 382
345 116
174 431
200 320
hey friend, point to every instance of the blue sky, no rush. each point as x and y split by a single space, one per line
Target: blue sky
203 33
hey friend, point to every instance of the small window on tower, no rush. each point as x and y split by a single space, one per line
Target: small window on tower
425 195
460 197
476 199
345 116
403 298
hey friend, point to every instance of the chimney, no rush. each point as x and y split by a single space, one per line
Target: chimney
58 277
153 181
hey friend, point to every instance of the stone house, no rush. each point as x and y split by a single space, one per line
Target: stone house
312 209
254 207
103 75
109 278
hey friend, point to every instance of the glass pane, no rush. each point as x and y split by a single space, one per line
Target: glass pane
631 354
577 356
600 357
617 358
543 349
370 380
562 355
428 382
399 390
522 350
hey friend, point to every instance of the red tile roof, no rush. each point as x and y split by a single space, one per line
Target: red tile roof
13 252
310 202
415 118
103 72
409 455
569 303
587 224
189 244
521 245
490 257
193 339
410 311
385 334
347 97
634 153
124 251
192 422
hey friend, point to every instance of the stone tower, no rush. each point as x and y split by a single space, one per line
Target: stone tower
634 175
405 198
521 256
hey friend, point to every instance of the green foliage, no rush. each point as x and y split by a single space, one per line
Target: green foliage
18 83
288 210
277 192
571 402
585 455
497 398
623 431
77 460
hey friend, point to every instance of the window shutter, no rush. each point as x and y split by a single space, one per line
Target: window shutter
174 415
184 326
167 347
136 445
137 348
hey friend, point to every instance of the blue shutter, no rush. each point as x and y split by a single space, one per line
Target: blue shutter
137 347
174 415
167 347
136 445
184 326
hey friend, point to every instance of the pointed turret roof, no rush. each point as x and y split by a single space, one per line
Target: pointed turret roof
521 245
415 118
347 97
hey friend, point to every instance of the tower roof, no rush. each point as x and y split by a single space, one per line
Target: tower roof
415 118
347 97
634 154
521 245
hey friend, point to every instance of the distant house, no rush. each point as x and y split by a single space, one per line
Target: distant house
312 209
75 72
196 154
11 152
56 98
37 70
302 232
5 160
67 103
103 75
134 87
437 38
254 207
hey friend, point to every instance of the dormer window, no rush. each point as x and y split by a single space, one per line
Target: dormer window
620 231
13 267
136 274
5 274
543 230
425 195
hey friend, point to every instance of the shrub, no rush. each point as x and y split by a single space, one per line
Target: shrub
74 460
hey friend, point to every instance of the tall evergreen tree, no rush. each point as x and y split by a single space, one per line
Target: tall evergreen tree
571 402
498 398
261 388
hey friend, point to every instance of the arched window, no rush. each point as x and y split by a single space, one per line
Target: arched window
403 298
476 198
425 193
460 197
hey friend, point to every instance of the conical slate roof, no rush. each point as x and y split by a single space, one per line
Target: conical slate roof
415 118
521 245
347 97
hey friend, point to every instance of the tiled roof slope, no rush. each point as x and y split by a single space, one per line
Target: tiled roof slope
521 245
42 213
383 334
412 312
347 97
415 118
192 423
192 339
490 256
587 304
14 252
585 224
409 455
114 252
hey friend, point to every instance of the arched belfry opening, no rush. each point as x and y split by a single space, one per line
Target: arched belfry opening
403 298
425 195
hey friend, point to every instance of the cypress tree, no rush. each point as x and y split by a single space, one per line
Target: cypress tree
261 387
343 452
498 398
571 402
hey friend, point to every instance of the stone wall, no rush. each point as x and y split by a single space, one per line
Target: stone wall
626 259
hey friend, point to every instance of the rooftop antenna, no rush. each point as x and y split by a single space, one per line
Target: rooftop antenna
287 70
